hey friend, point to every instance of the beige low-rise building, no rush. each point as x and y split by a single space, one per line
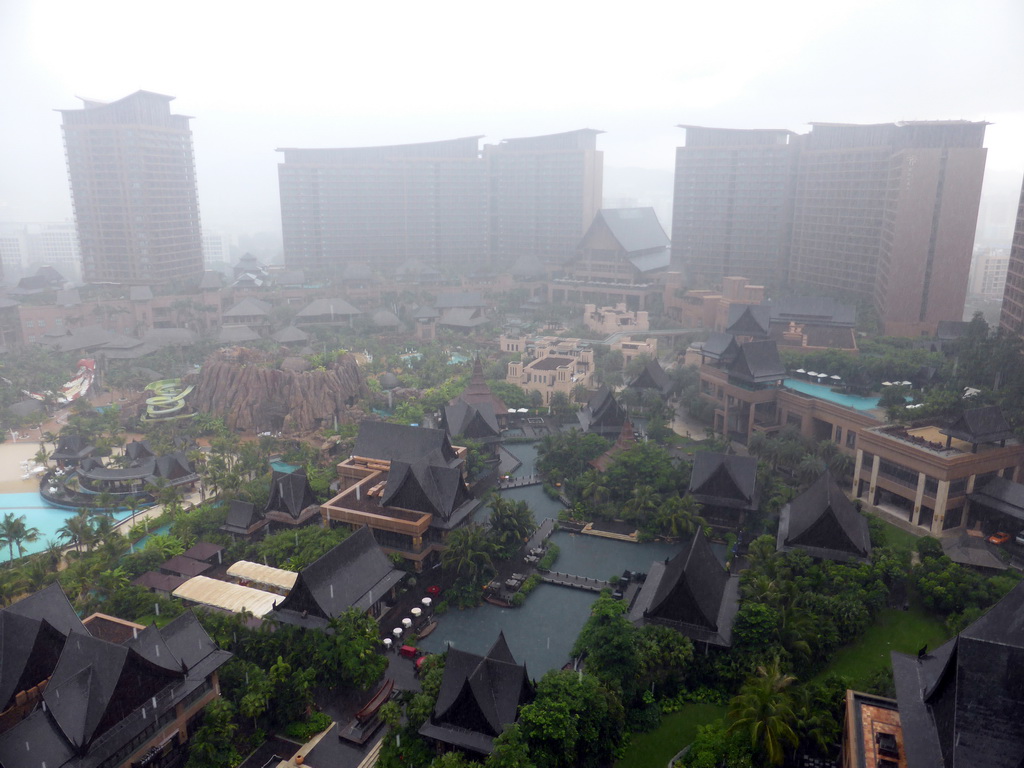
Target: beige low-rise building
557 365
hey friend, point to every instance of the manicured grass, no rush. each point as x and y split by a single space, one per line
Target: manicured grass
655 749
897 538
895 630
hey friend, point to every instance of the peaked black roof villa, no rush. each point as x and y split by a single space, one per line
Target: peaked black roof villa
726 486
825 524
291 501
407 484
979 426
355 574
602 415
653 376
103 703
480 696
962 705
692 593
750 320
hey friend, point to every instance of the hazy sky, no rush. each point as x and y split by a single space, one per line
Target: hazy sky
260 75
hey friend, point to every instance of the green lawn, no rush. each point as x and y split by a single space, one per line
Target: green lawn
655 749
895 630
897 538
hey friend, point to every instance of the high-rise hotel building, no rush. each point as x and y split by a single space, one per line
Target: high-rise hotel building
382 206
732 204
443 203
882 213
544 194
1011 319
133 187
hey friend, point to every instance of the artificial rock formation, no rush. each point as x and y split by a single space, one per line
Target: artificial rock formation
242 387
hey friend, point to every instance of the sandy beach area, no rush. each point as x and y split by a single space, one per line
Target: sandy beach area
11 456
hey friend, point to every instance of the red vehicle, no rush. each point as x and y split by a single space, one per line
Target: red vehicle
999 538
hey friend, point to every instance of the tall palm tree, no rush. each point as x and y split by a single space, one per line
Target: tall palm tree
13 532
642 504
512 524
764 709
77 530
594 489
467 558
681 516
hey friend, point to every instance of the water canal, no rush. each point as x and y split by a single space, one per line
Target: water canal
542 632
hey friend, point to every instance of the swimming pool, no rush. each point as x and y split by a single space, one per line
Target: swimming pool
38 514
824 392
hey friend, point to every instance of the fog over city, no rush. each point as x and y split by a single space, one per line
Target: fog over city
258 76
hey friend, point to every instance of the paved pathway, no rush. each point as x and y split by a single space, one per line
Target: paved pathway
576 582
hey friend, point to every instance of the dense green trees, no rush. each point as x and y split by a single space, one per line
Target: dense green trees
467 563
764 710
511 525
14 532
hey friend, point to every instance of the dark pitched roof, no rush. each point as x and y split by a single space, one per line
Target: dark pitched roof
32 636
290 335
475 421
71 446
161 582
96 684
390 442
691 592
973 551
724 481
636 229
757 362
236 334
602 414
653 376
204 551
290 492
815 310
480 696
354 574
426 487
242 516
477 391
625 441
721 347
139 449
327 310
248 307
963 705
980 425
1002 495
824 523
186 566
748 320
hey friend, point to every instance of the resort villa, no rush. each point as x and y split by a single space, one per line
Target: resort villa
925 474
407 484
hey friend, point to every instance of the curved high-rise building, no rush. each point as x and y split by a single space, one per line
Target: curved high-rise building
133 188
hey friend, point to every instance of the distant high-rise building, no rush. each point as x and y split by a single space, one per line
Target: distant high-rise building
384 206
887 213
25 247
442 203
1012 317
133 186
733 195
545 192
884 213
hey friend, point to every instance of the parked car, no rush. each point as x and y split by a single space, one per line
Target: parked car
999 538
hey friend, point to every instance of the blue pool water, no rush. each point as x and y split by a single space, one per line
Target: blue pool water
40 515
456 359
283 466
824 392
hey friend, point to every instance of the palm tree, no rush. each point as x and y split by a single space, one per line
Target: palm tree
77 530
512 524
467 556
642 504
13 532
764 708
809 469
594 490
681 516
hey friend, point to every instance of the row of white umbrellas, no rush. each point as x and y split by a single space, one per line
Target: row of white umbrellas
816 375
407 623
